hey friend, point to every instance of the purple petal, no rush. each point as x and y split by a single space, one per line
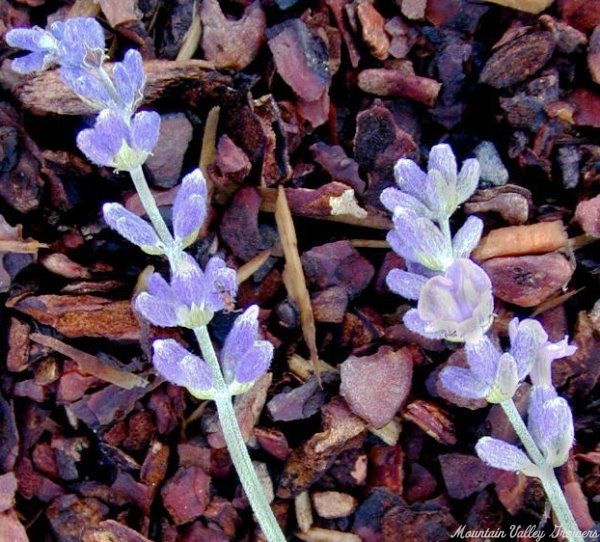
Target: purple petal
468 179
221 284
442 159
406 284
145 129
81 42
255 365
550 423
190 206
102 142
87 86
156 311
413 321
188 281
464 383
526 339
467 237
31 63
483 357
419 240
132 227
158 287
181 367
30 39
504 456
392 199
129 79
439 195
244 358
409 177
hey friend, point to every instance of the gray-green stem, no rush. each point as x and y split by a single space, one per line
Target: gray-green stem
235 443
149 204
547 476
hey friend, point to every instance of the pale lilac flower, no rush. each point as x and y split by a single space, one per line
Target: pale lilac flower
133 228
244 358
550 422
189 208
437 193
192 297
183 368
492 375
116 143
75 42
418 239
467 238
504 456
457 306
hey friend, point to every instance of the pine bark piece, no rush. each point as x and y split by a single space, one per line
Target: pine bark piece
109 530
373 33
11 528
517 240
293 275
301 59
528 280
187 494
44 93
587 214
120 11
82 316
533 50
231 44
375 387
398 83
333 504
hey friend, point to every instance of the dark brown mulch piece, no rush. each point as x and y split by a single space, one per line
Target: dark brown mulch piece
70 515
109 530
418 523
342 430
583 15
386 468
533 50
300 403
465 474
587 214
337 163
231 165
373 33
511 202
9 436
369 515
399 83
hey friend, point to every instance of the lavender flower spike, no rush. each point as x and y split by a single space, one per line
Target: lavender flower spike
244 357
441 190
133 228
193 296
117 143
183 368
457 306
189 208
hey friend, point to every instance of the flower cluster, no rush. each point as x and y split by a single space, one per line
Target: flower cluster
454 294
120 138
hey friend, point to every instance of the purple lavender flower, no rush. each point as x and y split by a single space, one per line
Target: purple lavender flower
116 143
539 349
437 193
505 456
189 208
183 368
467 237
133 228
244 357
457 306
491 375
193 295
550 423
76 42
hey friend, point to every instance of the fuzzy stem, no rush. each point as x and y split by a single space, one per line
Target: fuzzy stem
235 443
547 476
149 204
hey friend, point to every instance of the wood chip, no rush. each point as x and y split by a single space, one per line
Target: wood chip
304 516
517 240
333 504
528 6
318 534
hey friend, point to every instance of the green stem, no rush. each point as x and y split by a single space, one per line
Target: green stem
149 204
547 476
236 445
